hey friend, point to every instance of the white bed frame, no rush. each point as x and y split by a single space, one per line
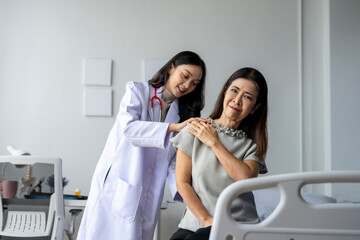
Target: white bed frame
293 218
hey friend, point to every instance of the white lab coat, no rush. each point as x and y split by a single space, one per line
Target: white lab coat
128 183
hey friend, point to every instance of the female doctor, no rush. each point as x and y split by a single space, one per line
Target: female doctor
128 183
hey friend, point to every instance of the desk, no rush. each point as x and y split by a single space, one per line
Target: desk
69 204
74 204
80 204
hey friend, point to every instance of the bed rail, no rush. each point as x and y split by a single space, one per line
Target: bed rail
293 218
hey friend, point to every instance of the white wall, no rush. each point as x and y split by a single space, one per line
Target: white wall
330 79
314 85
42 45
345 85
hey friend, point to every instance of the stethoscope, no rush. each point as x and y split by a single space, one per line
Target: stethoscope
154 98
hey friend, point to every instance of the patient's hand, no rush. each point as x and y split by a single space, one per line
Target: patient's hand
177 127
204 132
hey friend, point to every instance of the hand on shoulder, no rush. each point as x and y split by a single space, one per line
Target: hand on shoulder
177 127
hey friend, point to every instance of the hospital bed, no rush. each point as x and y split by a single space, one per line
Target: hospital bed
36 218
294 217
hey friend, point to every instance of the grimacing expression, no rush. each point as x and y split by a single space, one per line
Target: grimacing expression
183 79
240 99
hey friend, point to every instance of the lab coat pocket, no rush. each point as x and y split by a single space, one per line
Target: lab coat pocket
126 200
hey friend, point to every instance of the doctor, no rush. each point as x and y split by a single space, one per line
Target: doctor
128 183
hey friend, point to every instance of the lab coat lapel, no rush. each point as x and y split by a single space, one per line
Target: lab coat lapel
173 114
151 90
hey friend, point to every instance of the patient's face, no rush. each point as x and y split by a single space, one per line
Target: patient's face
240 99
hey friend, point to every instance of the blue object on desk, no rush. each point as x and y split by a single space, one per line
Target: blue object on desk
47 196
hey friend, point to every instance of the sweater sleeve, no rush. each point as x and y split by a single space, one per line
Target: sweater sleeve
184 141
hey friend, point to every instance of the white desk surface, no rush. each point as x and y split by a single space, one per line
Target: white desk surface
74 203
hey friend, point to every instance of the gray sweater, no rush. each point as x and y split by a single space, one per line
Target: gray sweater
209 178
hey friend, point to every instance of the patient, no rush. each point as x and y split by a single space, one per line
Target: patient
231 148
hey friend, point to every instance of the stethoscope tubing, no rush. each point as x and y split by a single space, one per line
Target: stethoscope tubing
155 97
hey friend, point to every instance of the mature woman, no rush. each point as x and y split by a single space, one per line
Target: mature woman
231 148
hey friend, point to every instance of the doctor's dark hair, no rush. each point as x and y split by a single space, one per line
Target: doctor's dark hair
254 124
191 104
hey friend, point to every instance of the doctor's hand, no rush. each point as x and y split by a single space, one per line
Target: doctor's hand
204 132
177 127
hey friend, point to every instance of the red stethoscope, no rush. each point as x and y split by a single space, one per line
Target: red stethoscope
155 98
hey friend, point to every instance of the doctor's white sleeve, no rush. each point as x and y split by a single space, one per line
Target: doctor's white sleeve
134 122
